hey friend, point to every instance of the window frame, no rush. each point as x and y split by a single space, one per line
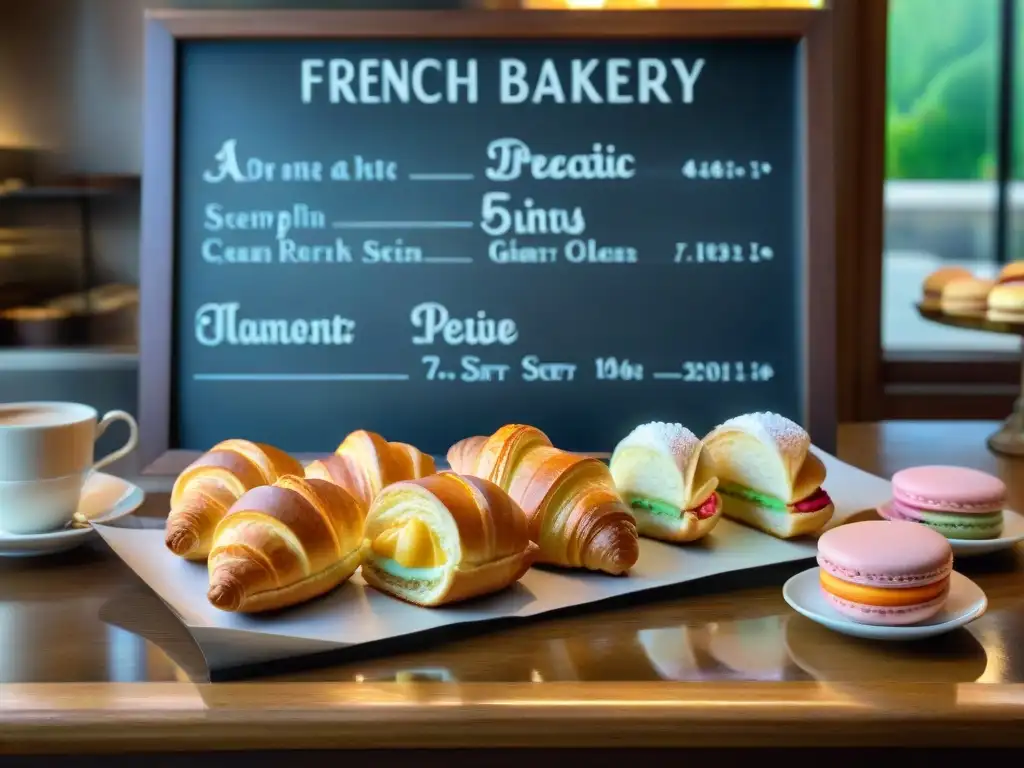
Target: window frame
899 385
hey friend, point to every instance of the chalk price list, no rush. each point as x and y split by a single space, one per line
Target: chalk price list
504 226
522 229
473 368
725 170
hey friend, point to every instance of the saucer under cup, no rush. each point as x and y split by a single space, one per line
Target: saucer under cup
105 499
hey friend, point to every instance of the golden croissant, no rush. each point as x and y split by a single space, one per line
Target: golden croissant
365 463
208 487
573 510
445 538
283 544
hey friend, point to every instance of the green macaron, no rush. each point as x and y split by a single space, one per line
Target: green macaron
952 526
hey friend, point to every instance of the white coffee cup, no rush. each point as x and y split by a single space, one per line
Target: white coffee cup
46 454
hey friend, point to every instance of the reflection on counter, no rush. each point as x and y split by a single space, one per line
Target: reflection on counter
856 667
751 649
27 626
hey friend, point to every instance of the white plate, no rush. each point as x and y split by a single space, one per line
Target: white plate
966 603
1013 533
105 498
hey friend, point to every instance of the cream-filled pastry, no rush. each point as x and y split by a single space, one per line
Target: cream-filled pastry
767 476
668 480
443 538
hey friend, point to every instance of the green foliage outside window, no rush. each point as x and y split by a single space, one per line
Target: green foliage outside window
943 86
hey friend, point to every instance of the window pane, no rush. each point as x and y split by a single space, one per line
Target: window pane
1016 214
940 193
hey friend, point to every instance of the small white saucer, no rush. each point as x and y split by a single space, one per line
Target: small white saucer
966 603
1013 533
105 498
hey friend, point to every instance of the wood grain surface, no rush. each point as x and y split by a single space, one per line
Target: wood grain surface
91 661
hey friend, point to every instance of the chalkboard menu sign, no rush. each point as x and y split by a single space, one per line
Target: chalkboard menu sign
431 225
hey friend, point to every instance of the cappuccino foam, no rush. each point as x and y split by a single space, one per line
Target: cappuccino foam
33 416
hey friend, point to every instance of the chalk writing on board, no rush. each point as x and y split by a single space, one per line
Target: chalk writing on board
610 80
511 157
220 323
430 238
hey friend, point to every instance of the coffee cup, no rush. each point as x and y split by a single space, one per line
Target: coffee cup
46 454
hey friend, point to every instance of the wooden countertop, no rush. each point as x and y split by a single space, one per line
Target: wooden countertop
91 661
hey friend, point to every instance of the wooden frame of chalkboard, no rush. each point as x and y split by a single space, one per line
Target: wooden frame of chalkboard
811 30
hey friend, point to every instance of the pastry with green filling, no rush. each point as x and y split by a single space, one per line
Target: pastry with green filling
768 477
443 538
668 480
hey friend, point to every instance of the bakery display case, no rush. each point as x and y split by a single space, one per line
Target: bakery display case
50 293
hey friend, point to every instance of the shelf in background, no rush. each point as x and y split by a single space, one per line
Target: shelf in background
74 188
68 359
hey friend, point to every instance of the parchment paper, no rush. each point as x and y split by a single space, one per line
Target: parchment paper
355 614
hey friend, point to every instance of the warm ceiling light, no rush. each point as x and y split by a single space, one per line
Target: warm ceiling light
614 5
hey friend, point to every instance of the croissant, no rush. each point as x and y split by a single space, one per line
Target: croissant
574 513
206 489
445 538
284 544
365 463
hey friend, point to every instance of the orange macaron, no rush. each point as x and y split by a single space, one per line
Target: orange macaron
1011 273
965 296
936 281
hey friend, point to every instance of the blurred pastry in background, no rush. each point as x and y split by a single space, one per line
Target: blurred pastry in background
103 298
106 314
1006 303
1011 273
936 281
965 296
33 314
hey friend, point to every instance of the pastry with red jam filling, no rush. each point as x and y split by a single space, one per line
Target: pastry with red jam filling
666 477
767 476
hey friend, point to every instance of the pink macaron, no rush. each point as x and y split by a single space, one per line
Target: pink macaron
958 502
883 572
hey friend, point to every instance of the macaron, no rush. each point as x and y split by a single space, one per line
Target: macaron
965 296
936 281
885 573
1011 273
1006 303
958 502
